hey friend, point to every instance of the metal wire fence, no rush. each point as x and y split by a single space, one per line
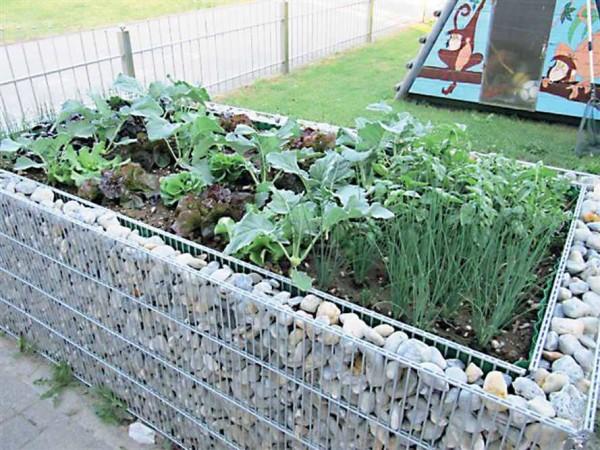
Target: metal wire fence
213 365
222 48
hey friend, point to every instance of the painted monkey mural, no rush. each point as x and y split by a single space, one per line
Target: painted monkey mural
459 54
570 67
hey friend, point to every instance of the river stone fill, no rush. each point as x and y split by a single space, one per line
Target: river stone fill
352 367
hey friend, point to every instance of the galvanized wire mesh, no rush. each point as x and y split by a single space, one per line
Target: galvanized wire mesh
215 366
222 48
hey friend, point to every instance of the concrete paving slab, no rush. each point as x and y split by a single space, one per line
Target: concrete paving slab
28 422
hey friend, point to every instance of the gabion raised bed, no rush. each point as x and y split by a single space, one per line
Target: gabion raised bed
217 353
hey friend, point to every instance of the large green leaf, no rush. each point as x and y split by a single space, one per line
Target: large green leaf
289 130
354 156
287 162
80 128
146 106
283 201
72 108
370 135
332 215
24 163
268 142
203 125
330 170
7 145
377 211
159 128
239 142
102 105
244 130
128 85
249 228
301 280
351 195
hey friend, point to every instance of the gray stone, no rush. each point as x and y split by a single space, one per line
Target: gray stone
527 388
42 195
87 215
141 433
551 343
578 287
394 340
436 357
569 367
593 301
590 325
456 374
575 308
366 402
593 241
541 406
568 344
569 403
554 382
222 274
26 187
594 283
581 234
431 380
585 358
310 303
589 206
414 350
164 251
373 336
568 326
588 341
117 231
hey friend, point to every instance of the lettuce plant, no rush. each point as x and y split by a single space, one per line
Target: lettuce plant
227 167
177 185
199 214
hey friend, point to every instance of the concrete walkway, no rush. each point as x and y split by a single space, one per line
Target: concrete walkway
29 423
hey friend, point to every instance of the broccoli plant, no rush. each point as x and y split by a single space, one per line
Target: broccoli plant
296 221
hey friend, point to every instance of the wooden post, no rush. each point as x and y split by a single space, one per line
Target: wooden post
285 38
126 52
370 18
424 18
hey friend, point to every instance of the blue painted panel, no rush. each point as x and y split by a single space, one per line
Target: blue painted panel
568 39
463 91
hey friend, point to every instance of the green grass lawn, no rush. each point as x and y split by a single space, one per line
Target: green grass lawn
21 19
338 90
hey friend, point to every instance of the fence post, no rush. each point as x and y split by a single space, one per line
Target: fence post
126 52
370 17
424 18
285 37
